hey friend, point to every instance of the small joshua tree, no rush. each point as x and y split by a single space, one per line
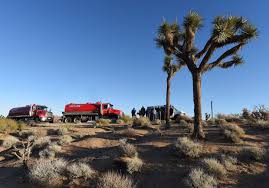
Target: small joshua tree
231 32
171 70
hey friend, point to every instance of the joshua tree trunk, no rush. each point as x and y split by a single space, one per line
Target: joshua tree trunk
198 129
167 110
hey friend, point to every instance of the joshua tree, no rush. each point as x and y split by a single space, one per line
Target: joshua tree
171 70
228 33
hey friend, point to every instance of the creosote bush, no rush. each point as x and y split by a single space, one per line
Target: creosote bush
214 167
48 173
142 122
252 153
188 147
199 179
80 170
115 180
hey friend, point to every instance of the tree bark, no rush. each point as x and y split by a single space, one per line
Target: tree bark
198 128
167 110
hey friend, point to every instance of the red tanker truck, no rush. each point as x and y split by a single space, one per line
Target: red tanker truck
31 112
89 111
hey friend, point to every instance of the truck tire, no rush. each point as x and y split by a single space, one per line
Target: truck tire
68 120
77 120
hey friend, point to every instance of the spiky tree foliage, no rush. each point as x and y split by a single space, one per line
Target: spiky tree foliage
229 33
171 70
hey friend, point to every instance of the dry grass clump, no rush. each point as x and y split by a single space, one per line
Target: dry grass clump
157 122
232 136
48 173
185 118
252 153
46 153
127 119
220 121
55 147
128 150
9 141
228 162
214 167
185 124
119 121
115 180
9 125
233 132
142 122
103 122
80 170
61 131
65 139
133 164
261 124
41 142
188 147
129 132
199 179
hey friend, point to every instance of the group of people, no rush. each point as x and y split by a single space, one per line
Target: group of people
151 113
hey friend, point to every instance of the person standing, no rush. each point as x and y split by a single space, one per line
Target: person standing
154 113
133 112
143 111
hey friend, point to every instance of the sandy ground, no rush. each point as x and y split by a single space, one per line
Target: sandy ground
162 168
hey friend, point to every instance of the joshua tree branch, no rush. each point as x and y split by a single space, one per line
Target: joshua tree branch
206 58
206 48
222 57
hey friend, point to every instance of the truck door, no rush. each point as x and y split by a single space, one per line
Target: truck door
105 108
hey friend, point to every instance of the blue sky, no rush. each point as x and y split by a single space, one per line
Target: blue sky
54 52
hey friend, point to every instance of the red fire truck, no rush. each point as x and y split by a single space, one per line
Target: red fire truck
31 112
89 112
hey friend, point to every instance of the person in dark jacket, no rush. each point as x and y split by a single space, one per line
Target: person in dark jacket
142 111
133 112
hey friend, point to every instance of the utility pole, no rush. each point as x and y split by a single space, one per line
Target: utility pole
212 114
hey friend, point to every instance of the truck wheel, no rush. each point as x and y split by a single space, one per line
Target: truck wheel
37 120
77 120
68 120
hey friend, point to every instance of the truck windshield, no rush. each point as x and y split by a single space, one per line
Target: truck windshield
42 108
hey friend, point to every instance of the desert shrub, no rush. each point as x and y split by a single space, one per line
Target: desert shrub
129 132
26 133
115 180
142 122
199 179
120 121
220 121
214 167
133 164
48 173
157 122
41 142
188 147
54 147
261 124
46 153
228 162
62 131
183 117
232 136
189 126
233 132
103 122
260 113
80 170
9 125
65 139
246 114
252 153
128 150
9 141
127 119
